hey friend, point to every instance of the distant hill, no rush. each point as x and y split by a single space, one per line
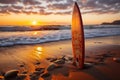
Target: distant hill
116 22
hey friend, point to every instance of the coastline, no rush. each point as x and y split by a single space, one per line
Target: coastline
12 57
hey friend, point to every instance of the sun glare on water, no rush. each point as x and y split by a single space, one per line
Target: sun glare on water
35 33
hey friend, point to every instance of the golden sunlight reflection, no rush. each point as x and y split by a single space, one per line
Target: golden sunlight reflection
39 50
35 33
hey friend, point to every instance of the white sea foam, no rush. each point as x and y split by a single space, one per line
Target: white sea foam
34 37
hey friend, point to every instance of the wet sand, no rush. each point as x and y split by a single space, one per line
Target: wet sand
99 52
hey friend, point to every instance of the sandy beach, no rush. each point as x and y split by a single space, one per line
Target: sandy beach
100 53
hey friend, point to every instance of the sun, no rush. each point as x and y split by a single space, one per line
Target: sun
34 22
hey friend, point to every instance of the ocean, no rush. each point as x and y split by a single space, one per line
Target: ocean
17 37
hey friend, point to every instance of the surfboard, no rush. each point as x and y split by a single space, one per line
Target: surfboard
78 37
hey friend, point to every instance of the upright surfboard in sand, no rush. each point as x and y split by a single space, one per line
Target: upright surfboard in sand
78 37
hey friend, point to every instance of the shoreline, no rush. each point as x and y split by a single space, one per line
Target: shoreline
13 57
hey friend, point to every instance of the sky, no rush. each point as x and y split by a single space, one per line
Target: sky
57 12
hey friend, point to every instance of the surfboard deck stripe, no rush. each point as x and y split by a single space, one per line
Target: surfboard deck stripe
78 37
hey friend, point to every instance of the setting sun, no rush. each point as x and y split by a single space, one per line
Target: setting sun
34 22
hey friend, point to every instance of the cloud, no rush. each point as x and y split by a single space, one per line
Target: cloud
17 7
43 12
62 7
58 7
63 13
108 2
30 2
8 1
102 6
90 6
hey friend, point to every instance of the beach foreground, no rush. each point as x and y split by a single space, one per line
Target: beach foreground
53 61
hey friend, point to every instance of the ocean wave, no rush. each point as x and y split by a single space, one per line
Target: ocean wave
34 37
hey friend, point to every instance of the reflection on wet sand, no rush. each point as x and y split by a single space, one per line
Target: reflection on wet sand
39 50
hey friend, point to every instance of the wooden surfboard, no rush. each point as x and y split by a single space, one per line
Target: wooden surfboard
78 37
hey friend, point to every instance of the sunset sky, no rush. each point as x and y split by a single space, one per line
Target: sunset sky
44 12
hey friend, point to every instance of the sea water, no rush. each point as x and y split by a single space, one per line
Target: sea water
12 37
